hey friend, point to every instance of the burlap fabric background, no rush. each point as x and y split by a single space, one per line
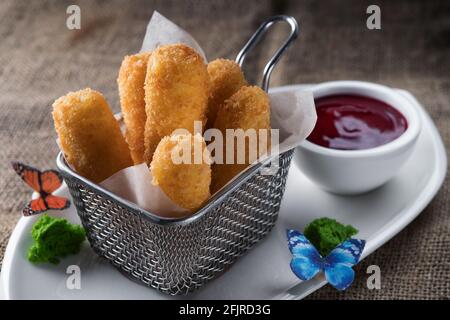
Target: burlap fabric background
40 60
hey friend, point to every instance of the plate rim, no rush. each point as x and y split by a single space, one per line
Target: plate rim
399 223
373 243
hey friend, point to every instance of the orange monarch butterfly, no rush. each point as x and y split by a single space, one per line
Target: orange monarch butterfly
45 183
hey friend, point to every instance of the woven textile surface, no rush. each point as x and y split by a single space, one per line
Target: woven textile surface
40 60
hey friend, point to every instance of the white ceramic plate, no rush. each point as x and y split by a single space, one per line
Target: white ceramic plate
264 272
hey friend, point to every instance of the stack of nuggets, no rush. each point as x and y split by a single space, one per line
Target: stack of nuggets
160 93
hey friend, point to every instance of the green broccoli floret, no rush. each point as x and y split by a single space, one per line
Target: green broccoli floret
54 238
325 234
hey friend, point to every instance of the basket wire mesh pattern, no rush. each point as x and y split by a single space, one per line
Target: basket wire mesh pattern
179 256
177 259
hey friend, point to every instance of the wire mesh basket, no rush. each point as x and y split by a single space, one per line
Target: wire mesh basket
177 256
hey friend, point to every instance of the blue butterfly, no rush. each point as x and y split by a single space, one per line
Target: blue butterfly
307 262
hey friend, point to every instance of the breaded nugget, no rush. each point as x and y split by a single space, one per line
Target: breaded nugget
249 108
176 93
132 101
151 140
89 135
226 78
186 184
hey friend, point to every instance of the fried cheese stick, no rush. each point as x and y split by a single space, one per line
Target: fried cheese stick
248 108
132 101
176 93
226 79
89 135
185 183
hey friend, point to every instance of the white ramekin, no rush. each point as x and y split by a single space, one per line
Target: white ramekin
359 171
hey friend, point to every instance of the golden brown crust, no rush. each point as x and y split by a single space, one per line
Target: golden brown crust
186 184
151 140
132 101
226 78
89 135
176 92
248 108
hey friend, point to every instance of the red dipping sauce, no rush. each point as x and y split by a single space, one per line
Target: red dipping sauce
350 122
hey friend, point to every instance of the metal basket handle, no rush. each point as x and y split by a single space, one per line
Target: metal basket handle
256 37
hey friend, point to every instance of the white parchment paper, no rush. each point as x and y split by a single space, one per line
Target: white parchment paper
135 185
293 113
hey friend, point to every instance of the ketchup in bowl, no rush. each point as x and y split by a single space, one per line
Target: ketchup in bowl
350 122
